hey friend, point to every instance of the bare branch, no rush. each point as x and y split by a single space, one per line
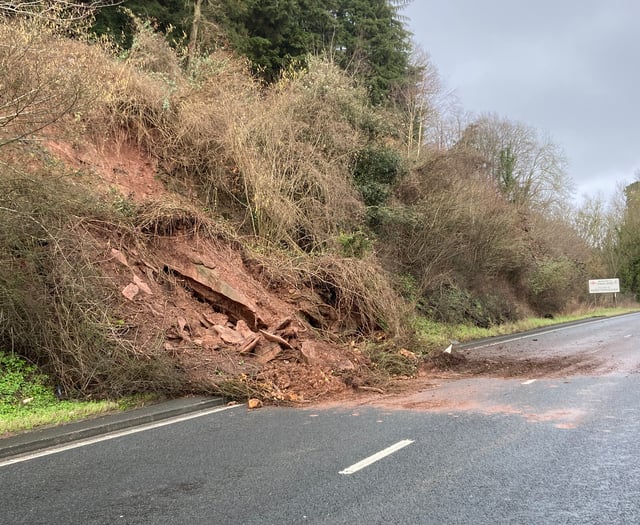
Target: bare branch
54 10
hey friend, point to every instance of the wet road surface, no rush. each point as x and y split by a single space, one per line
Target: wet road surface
560 449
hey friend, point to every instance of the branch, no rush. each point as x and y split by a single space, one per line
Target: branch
54 10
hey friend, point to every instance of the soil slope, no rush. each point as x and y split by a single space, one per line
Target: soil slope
224 327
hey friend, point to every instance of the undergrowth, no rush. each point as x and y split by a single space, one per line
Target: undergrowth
56 306
27 398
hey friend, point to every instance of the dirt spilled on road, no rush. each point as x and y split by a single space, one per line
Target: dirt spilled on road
464 364
488 382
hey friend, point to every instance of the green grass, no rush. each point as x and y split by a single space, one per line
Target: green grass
437 335
25 418
27 399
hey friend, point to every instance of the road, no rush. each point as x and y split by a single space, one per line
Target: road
557 450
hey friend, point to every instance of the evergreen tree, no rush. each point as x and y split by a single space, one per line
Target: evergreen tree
374 44
115 22
268 32
365 37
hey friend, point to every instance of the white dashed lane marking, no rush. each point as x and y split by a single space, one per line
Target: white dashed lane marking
376 457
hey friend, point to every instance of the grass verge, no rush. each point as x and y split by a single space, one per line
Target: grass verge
27 399
437 335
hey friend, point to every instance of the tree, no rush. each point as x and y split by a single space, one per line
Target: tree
270 33
373 43
365 37
419 101
628 248
530 171
63 13
164 15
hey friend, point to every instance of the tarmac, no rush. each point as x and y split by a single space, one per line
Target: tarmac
87 428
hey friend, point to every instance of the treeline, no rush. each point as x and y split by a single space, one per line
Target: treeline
367 38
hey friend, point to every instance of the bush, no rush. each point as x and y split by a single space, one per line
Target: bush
375 169
553 283
355 244
44 77
447 224
55 306
452 305
350 295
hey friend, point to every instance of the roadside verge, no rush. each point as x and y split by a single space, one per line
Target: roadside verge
49 437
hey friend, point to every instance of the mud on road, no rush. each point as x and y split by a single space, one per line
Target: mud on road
476 378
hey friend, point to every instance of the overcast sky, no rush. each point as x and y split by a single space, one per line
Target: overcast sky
569 68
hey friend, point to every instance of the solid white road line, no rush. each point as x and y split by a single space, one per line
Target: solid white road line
111 435
376 457
536 334
529 382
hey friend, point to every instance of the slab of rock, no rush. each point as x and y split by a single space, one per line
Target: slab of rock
244 329
144 287
209 340
320 354
130 291
229 335
208 285
275 339
214 318
250 345
268 352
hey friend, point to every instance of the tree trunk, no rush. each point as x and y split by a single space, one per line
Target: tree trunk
193 37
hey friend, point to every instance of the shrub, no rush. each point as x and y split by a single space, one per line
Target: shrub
355 244
357 292
553 283
44 77
447 223
375 169
55 306
452 305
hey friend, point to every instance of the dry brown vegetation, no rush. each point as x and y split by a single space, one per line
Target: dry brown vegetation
259 184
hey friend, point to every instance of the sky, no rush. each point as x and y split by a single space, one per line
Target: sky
568 68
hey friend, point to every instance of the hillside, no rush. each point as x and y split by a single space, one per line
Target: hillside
176 225
219 319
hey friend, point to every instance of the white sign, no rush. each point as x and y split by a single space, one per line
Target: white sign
604 285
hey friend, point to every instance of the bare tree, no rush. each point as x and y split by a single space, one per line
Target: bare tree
195 29
431 112
529 169
419 99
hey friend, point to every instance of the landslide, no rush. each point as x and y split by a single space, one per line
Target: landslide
175 227
149 293
170 232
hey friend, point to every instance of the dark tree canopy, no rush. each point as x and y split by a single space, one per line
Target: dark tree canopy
365 37
164 14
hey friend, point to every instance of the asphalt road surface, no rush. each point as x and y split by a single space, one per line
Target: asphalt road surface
557 450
